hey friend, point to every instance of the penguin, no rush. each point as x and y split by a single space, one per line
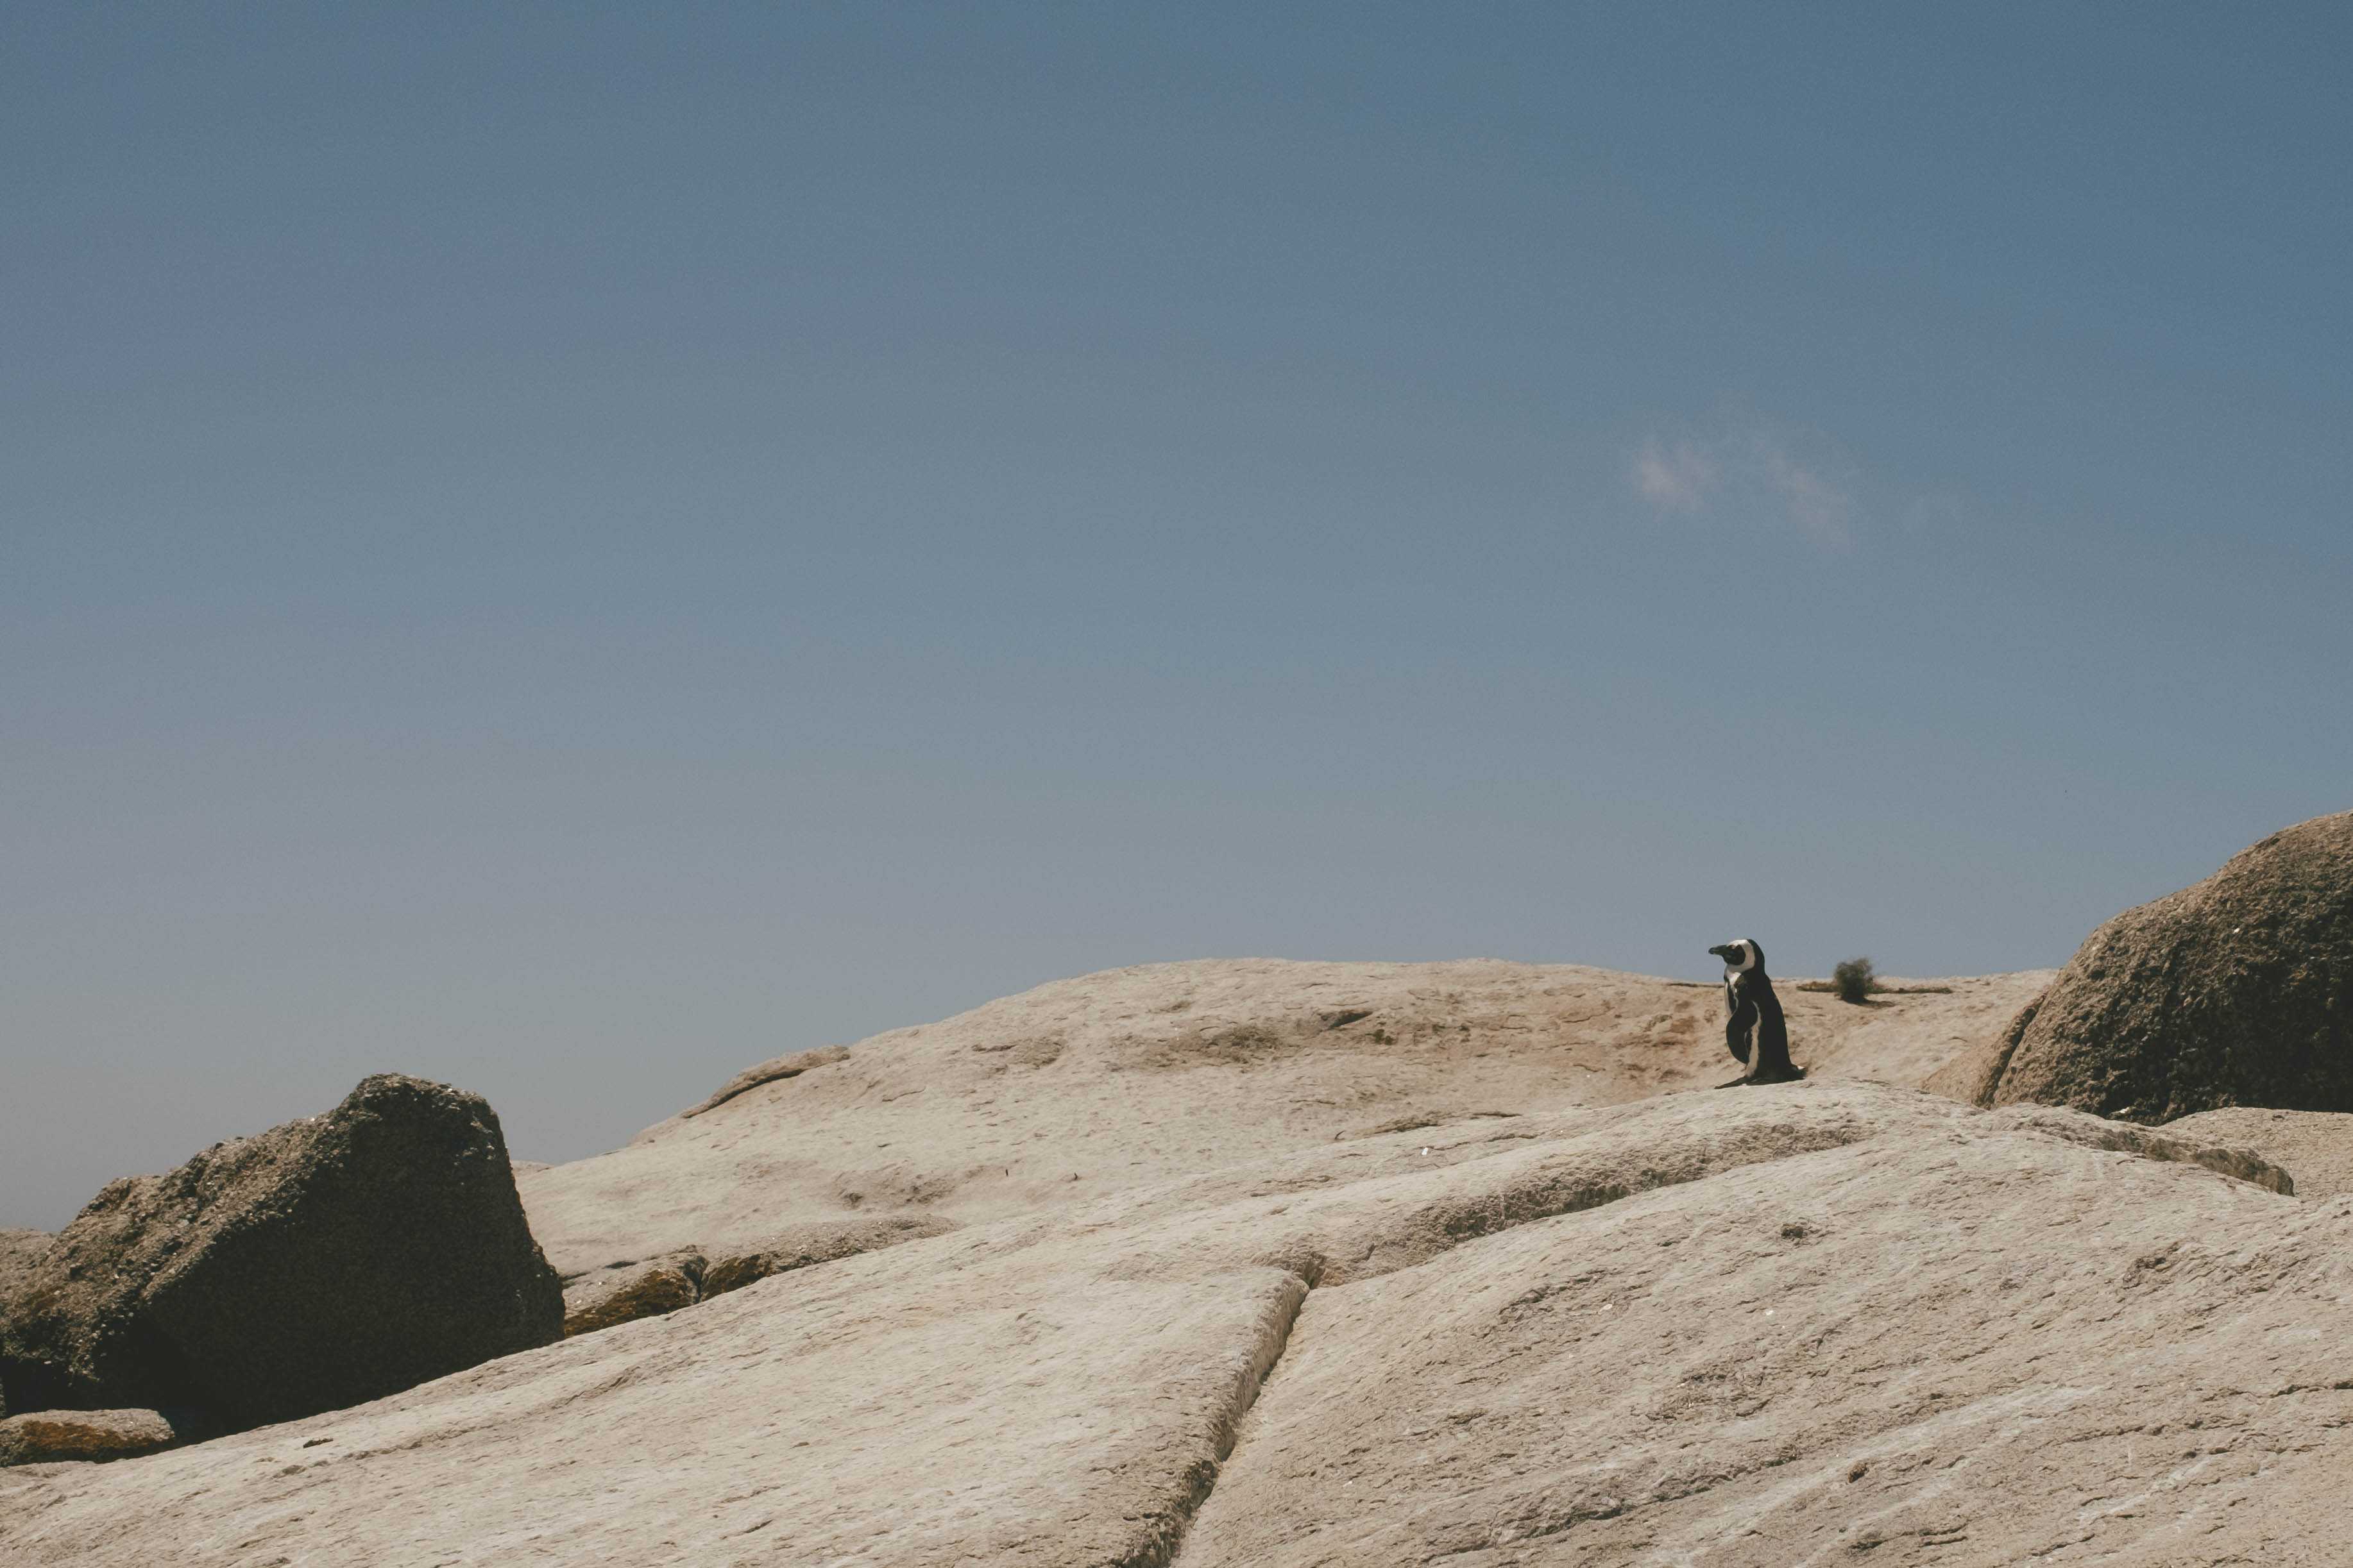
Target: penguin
1756 1012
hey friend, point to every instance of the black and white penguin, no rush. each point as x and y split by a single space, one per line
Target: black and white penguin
1756 1033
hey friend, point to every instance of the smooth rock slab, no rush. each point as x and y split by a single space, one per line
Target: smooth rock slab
816 1242
1036 1103
624 1291
1533 1340
2315 1146
878 1414
1997 1347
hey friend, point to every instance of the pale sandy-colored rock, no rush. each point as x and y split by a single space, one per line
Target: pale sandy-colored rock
814 1242
53 1437
1136 1076
1906 1039
2316 1147
631 1289
775 1070
1531 1339
1988 1346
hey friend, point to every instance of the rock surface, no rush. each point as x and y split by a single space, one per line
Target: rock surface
325 1262
773 1071
819 1241
1990 1346
19 1250
1134 1076
1775 1326
2316 1147
2238 991
624 1291
51 1436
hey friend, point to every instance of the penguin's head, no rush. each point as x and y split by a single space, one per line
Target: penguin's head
1740 956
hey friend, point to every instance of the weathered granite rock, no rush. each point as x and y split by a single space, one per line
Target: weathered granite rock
819 1241
46 1437
772 1071
2190 1144
631 1288
2238 991
1086 1086
2315 1146
325 1262
1820 1322
637 1288
19 1250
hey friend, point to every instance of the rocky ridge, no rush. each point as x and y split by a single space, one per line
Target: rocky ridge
1133 1076
1444 1268
1769 1326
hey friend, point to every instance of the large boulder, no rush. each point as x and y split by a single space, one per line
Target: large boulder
18 1251
326 1262
2238 991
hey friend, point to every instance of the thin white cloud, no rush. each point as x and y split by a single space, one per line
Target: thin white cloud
1674 479
1821 509
1751 472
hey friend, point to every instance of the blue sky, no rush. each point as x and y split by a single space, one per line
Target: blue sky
569 550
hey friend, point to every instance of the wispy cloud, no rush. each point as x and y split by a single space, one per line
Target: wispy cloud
1822 507
1676 478
1749 471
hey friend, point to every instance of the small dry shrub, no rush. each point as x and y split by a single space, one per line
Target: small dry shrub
1854 979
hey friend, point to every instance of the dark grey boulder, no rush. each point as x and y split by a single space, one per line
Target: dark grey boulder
19 1249
329 1262
2236 992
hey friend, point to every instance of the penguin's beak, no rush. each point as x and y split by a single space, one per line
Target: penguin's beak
1723 952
